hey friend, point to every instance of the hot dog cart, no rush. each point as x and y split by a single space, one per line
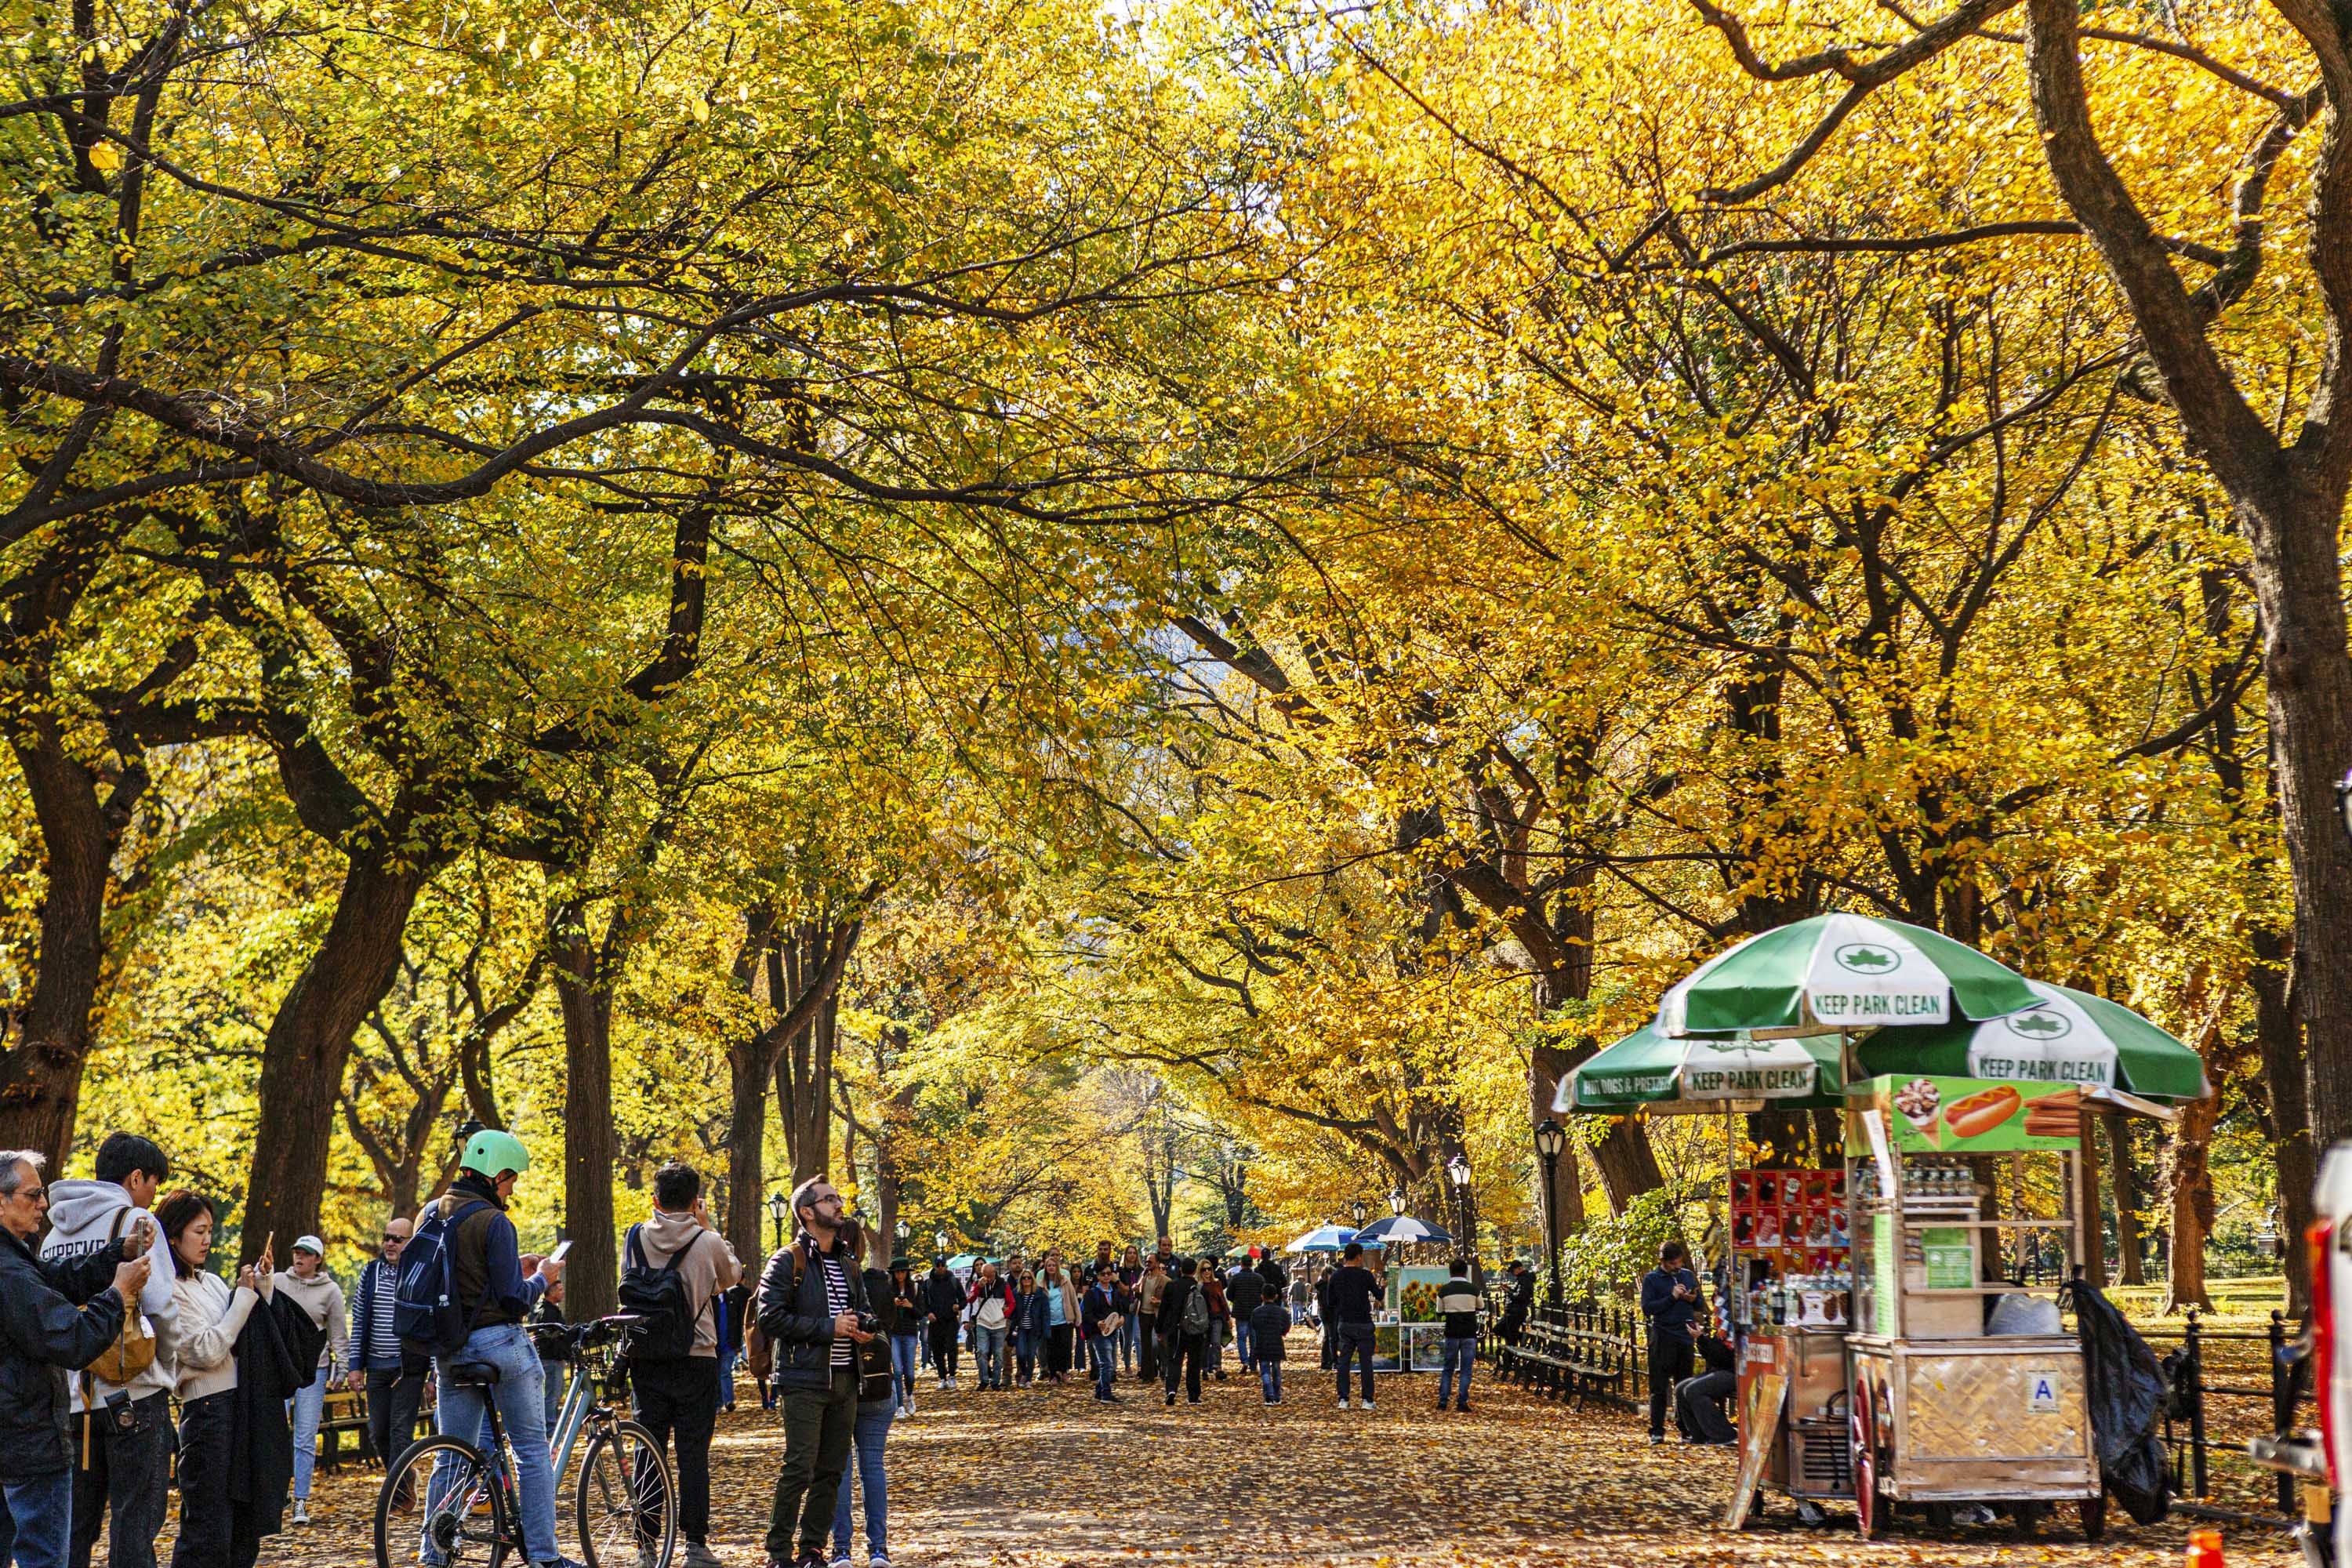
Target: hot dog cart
1943 1406
1913 1369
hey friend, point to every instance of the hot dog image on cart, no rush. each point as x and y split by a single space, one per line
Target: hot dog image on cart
1905 1367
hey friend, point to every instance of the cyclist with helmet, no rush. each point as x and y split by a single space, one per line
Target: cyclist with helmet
487 1261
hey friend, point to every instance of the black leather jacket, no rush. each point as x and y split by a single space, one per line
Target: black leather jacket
793 1313
53 1317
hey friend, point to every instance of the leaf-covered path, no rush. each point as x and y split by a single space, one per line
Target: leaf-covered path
1045 1476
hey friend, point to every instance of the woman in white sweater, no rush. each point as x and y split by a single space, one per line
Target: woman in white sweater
210 1316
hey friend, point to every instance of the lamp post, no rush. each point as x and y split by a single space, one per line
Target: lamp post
1457 1171
1396 1203
901 1231
1356 1211
941 1237
777 1204
1550 1140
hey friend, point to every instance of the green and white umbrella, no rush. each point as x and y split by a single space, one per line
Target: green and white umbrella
1840 971
2066 1037
1649 1069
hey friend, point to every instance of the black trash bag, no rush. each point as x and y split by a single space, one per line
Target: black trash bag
2126 1391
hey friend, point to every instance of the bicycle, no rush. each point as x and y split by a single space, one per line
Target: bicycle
625 1502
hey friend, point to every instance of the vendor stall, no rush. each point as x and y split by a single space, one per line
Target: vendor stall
1917 1368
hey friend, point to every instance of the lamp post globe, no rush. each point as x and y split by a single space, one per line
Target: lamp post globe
1356 1211
778 1205
1396 1203
1457 1171
941 1237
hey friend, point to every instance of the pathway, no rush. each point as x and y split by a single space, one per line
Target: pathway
1046 1477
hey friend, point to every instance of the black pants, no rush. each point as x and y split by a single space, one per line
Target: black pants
207 1525
1669 1363
678 1402
819 1425
1058 1339
1147 1367
1183 1354
943 1351
1698 1406
129 1474
1356 1345
392 1401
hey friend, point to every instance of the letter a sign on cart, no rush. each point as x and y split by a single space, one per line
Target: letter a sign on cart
2042 1392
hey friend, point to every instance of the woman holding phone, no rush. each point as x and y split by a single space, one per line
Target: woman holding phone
210 1314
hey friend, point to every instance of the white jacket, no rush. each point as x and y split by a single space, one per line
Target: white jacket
211 1317
82 1220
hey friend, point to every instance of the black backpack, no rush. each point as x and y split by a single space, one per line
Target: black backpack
426 1315
656 1297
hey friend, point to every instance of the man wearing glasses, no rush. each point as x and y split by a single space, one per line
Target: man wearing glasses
394 1388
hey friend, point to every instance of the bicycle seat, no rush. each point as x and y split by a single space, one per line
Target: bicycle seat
472 1374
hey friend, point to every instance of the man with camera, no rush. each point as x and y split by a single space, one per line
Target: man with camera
814 1311
55 1314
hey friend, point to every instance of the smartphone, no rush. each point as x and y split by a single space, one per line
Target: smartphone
561 1248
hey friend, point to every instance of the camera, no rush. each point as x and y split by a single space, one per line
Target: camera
867 1324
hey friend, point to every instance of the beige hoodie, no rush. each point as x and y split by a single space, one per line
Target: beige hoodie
709 1267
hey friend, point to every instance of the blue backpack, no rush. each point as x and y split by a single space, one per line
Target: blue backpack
425 1313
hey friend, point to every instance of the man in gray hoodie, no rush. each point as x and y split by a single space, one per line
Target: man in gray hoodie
125 1456
320 1296
677 1400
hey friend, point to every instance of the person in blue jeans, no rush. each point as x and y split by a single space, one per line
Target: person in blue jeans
497 1296
1269 1328
1028 1328
869 1475
1351 1296
905 1299
1105 1299
1458 1304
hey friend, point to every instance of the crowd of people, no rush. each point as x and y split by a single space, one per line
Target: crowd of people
110 1315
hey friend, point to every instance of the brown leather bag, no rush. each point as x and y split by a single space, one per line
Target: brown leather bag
133 1350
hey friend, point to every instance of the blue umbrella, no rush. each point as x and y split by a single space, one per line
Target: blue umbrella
1326 1238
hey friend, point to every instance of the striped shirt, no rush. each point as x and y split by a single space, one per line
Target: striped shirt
836 1301
374 1342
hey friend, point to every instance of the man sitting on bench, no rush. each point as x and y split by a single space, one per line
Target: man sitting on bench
1699 1401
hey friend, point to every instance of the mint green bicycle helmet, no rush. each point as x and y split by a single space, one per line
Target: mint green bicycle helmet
493 1153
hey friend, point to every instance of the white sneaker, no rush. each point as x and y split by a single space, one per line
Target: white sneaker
1368 1405
839 1563
301 1511
877 1560
1345 1405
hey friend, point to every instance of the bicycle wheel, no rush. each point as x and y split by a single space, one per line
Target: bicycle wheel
451 1519
626 1503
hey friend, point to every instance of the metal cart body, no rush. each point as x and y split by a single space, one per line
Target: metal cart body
1980 1420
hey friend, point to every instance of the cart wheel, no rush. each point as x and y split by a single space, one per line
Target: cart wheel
1939 1516
2093 1512
1870 1510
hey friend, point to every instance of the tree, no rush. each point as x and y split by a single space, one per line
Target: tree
2287 489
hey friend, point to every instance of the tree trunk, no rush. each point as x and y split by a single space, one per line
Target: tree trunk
591 1151
2192 1187
748 1222
2087 1185
804 1087
1564 1203
309 1040
2125 1178
40 1079
2287 1090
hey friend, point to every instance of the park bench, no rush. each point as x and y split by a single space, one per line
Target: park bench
1576 1352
